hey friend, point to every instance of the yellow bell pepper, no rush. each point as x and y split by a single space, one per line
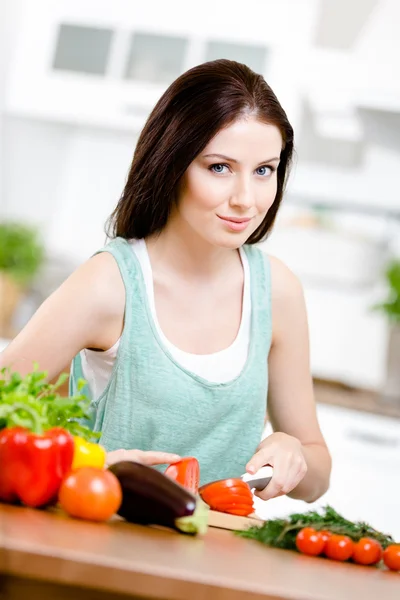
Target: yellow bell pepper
87 454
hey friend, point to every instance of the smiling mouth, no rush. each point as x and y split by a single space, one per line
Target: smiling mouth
234 219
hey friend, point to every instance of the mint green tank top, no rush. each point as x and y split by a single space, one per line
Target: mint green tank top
151 402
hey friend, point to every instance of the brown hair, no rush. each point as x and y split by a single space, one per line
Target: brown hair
188 115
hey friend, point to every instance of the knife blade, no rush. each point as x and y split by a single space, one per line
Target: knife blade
259 480
259 483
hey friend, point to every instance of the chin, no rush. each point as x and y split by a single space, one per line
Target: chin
231 241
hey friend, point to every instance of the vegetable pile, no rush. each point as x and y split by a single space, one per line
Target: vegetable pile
231 496
49 456
330 535
33 403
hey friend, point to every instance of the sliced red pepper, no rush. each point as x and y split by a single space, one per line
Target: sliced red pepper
221 502
226 499
239 511
228 495
233 507
226 492
32 466
186 472
227 488
226 484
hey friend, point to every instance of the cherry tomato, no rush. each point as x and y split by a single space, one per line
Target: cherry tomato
367 551
309 541
339 547
325 535
90 493
391 557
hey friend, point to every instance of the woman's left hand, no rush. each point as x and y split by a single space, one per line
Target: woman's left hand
284 453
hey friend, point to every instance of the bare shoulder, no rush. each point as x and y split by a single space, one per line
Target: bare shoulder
86 311
286 286
288 303
101 277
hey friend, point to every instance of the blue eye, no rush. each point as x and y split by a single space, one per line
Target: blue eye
264 170
218 168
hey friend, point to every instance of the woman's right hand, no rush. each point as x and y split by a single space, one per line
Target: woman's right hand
148 458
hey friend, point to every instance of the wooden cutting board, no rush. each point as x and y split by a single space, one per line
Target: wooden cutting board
232 522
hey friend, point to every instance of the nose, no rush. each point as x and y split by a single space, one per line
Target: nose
242 195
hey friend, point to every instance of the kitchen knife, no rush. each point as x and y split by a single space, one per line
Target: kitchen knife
259 480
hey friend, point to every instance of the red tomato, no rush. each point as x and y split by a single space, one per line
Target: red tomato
391 557
186 472
90 493
339 547
367 551
309 541
325 536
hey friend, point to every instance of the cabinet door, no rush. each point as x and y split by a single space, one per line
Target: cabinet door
156 58
82 49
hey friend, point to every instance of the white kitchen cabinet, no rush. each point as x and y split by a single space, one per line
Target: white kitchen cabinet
365 478
341 275
348 339
106 64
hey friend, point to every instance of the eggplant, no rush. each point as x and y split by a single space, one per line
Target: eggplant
152 498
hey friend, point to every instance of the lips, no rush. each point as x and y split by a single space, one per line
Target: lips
235 224
234 219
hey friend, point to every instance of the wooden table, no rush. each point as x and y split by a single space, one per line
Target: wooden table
45 555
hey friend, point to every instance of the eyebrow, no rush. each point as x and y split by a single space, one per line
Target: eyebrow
276 158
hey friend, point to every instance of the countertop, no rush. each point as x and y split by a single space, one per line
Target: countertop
367 401
48 555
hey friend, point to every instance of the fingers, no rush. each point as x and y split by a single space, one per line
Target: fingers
157 458
287 475
258 460
145 458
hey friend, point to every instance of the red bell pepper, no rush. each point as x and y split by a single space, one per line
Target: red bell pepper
32 466
186 472
231 496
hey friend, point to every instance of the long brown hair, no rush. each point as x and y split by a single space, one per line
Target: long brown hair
188 115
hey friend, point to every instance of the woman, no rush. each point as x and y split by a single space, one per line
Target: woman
180 325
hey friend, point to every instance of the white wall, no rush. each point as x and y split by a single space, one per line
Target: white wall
93 175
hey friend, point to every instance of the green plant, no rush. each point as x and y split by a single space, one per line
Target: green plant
391 306
21 251
30 401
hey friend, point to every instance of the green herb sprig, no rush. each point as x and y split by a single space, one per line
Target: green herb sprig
35 404
281 533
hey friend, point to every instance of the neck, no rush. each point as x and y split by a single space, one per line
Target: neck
177 247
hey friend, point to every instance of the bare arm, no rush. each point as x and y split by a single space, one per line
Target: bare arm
86 311
291 404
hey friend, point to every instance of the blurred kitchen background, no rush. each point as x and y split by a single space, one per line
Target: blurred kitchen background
77 81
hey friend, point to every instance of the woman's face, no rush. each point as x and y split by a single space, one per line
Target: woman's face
228 189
